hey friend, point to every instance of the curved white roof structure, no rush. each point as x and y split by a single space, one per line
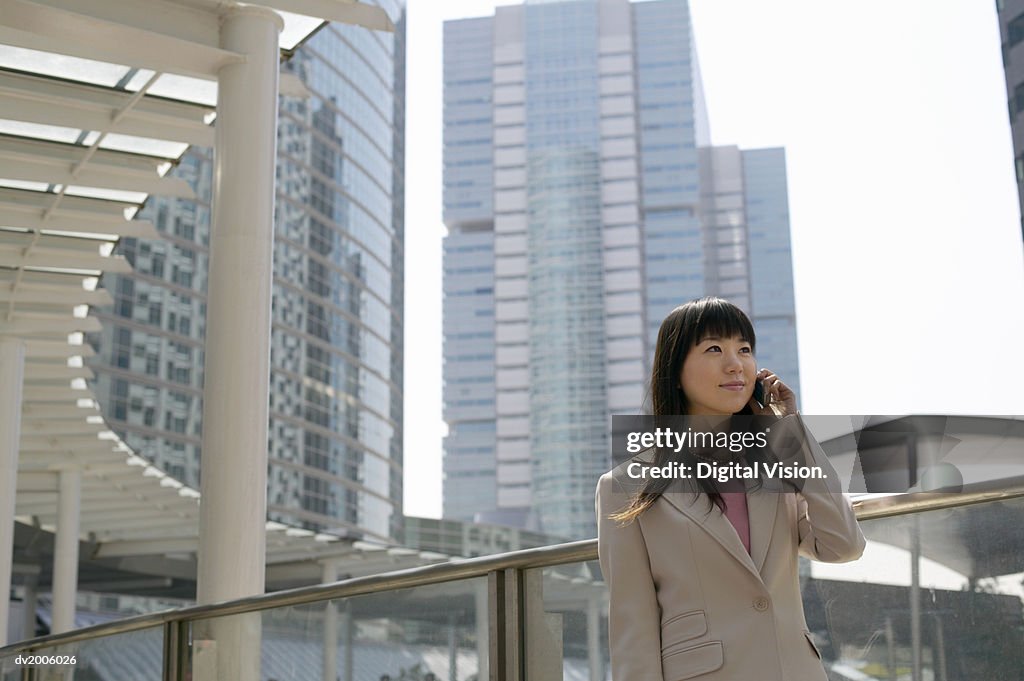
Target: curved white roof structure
98 100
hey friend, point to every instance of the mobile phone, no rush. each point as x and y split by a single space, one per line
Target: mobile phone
759 392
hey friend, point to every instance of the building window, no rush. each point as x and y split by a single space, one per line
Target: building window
1015 29
1018 100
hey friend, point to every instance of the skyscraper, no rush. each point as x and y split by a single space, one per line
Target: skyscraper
335 431
583 202
1011 30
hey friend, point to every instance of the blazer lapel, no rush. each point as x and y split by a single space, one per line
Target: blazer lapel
762 507
714 523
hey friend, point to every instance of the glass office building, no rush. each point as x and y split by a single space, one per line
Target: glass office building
583 201
335 431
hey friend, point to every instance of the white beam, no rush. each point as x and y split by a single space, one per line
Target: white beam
41 372
39 27
27 217
47 242
120 549
176 19
37 482
29 326
12 256
107 529
56 349
51 394
32 413
61 427
34 170
72 442
34 504
339 11
53 163
49 458
67 415
71 295
180 531
38 99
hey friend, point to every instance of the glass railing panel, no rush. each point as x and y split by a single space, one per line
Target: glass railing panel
132 656
937 595
961 608
433 632
566 621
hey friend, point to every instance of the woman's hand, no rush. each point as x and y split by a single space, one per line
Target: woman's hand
780 400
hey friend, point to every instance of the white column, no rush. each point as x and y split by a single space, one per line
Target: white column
330 574
65 555
453 650
594 638
482 627
12 374
232 517
30 603
915 597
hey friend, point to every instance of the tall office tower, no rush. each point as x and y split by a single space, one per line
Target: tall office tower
747 255
772 300
335 431
1011 30
582 205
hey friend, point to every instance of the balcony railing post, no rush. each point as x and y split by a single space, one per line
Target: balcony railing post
505 601
171 646
176 662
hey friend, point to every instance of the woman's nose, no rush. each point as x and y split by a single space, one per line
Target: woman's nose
732 362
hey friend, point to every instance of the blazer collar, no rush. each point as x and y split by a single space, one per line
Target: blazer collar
762 506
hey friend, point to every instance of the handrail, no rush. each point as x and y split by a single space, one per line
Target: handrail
464 568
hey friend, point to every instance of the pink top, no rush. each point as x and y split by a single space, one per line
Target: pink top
734 493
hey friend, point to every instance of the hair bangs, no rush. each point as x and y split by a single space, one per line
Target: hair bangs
717 318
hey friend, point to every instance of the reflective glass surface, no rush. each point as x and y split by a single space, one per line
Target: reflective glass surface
428 632
938 591
336 347
133 656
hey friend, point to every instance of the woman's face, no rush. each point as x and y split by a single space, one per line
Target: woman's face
718 376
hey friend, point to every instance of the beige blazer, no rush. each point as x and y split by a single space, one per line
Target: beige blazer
686 600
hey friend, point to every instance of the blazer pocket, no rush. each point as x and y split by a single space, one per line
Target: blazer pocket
693 661
810 640
682 628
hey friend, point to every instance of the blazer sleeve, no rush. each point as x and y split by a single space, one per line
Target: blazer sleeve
634 616
828 529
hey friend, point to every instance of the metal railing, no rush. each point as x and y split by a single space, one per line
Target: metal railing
505 586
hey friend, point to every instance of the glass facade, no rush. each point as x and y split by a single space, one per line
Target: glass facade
771 261
667 100
578 165
565 310
335 430
470 476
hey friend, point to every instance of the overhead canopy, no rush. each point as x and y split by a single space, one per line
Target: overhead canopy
98 100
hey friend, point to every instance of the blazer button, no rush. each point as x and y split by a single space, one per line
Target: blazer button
761 604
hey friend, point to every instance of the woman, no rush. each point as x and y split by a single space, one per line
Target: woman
704 583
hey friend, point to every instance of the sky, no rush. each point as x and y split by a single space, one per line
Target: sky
907 251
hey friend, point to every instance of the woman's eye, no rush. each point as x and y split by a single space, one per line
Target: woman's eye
744 349
713 348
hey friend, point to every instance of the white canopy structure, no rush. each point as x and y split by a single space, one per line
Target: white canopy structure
98 100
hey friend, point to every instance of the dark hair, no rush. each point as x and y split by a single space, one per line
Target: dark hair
682 329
